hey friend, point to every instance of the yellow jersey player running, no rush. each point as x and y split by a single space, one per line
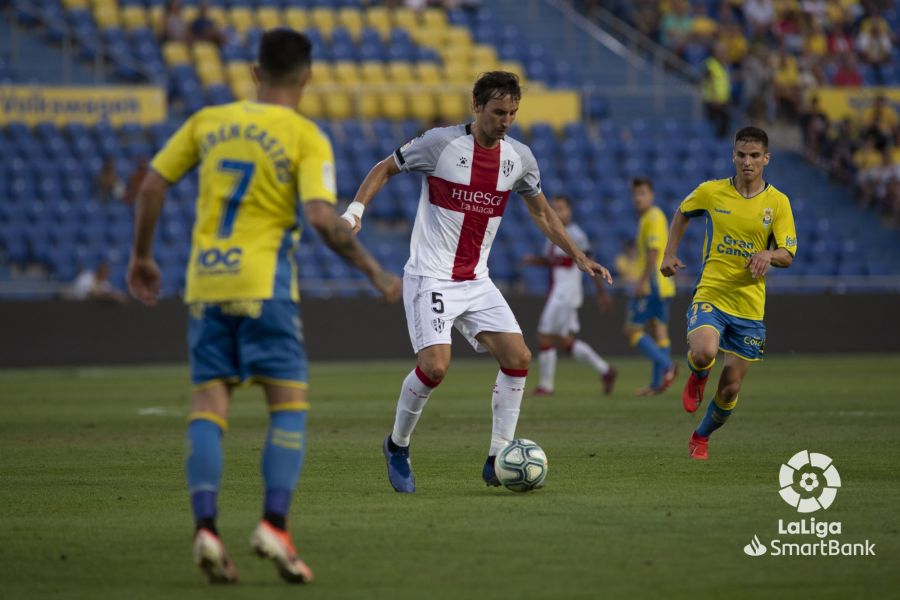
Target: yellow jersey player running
647 323
749 227
260 163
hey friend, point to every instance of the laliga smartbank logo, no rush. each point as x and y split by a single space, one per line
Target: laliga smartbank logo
809 482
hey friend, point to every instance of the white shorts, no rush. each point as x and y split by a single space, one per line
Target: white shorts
559 318
434 306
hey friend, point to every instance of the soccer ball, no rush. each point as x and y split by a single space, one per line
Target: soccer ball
521 466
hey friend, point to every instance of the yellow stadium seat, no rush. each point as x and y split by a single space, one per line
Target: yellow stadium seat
456 61
453 107
484 56
346 72
321 73
372 72
405 18
322 18
434 18
428 73
176 53
422 107
106 15
368 106
242 19
400 72
205 52
210 73
351 19
311 105
379 18
133 17
217 15
269 17
337 105
458 37
393 105
296 18
188 13
243 89
458 74
75 4
513 66
155 14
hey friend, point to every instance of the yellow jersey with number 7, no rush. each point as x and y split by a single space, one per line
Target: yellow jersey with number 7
258 162
736 229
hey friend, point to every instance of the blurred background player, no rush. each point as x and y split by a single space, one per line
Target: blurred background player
647 322
749 227
258 161
468 173
559 319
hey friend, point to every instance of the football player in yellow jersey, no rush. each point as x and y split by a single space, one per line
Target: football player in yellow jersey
647 323
260 163
749 228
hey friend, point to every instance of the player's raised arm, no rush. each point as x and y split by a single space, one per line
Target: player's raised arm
671 263
143 272
337 234
548 222
376 179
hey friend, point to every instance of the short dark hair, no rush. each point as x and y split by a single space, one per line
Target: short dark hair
496 84
283 54
637 182
752 134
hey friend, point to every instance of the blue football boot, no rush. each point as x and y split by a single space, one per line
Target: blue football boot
488 474
398 467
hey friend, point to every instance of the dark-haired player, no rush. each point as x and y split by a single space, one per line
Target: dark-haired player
559 318
749 227
468 172
647 323
260 164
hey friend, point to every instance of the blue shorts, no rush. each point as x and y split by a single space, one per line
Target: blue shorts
744 337
642 310
256 341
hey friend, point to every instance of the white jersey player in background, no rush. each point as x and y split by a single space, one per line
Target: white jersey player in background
559 319
468 172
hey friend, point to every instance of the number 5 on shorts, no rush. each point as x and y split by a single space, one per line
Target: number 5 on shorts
437 303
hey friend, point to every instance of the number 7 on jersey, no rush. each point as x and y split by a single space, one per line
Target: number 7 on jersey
244 172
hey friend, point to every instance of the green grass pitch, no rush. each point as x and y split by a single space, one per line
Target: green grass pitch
93 501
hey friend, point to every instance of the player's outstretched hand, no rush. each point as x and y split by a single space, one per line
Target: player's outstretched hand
390 286
594 269
759 263
144 280
670 265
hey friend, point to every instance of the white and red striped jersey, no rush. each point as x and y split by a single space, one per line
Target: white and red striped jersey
464 192
565 276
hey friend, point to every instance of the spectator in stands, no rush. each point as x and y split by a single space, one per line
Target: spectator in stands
134 180
892 204
757 76
880 120
847 74
875 45
735 43
716 92
676 27
841 150
815 125
703 28
867 162
95 285
760 16
173 25
109 187
788 29
839 40
204 29
787 86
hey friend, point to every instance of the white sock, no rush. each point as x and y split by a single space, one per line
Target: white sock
507 399
584 353
547 364
413 395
